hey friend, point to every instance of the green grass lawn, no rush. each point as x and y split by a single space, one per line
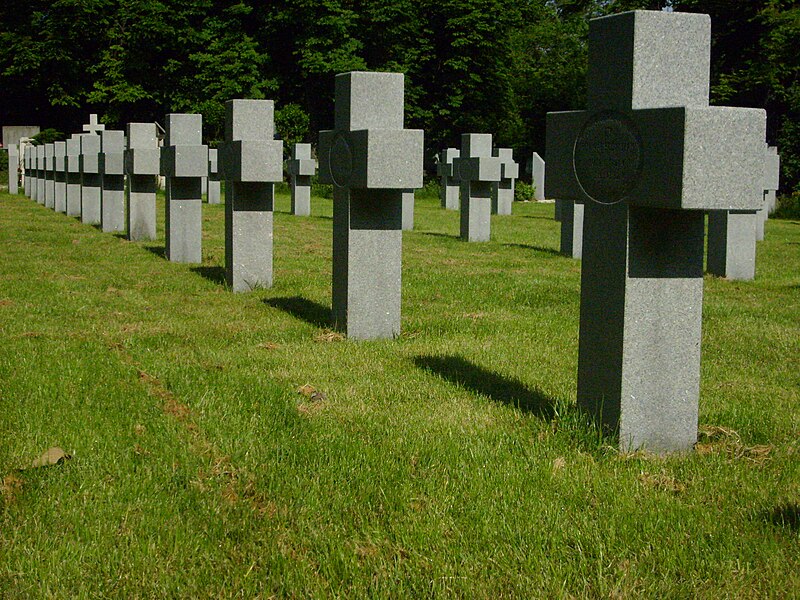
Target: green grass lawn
447 463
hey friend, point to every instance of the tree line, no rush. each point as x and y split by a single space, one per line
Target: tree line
471 65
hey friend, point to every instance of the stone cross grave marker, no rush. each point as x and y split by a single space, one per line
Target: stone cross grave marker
112 173
184 162
537 176
503 190
142 165
448 187
647 158
370 159
214 192
253 162
49 175
772 172
93 126
60 176
407 220
90 178
301 168
40 175
26 167
477 170
731 248
74 175
13 168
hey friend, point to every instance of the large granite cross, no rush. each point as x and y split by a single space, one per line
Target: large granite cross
252 161
370 159
647 158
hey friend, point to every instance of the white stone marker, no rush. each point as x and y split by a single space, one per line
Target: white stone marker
60 176
448 186
537 176
370 159
647 159
503 190
477 170
252 161
184 161
112 173
142 165
74 175
301 168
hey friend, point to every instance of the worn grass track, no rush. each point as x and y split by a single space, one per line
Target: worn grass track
447 463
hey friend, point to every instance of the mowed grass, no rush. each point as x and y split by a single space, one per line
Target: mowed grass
449 462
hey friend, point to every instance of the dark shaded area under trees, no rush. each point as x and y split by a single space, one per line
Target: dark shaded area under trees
471 65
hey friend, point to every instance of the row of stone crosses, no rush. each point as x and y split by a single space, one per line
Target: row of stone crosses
644 163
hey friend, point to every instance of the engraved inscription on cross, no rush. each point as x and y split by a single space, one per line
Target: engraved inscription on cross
647 158
368 147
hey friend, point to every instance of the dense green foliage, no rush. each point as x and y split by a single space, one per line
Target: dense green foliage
471 65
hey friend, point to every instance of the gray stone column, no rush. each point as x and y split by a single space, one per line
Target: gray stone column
647 158
142 160
74 176
477 170
184 162
370 159
90 178
253 162
60 177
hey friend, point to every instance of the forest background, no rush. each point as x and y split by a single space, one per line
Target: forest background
471 65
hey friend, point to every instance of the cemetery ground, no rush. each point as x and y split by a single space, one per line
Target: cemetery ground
234 445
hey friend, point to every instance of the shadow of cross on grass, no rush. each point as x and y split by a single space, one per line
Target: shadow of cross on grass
312 312
213 274
497 387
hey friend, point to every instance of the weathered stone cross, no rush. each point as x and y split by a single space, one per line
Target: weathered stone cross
647 158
